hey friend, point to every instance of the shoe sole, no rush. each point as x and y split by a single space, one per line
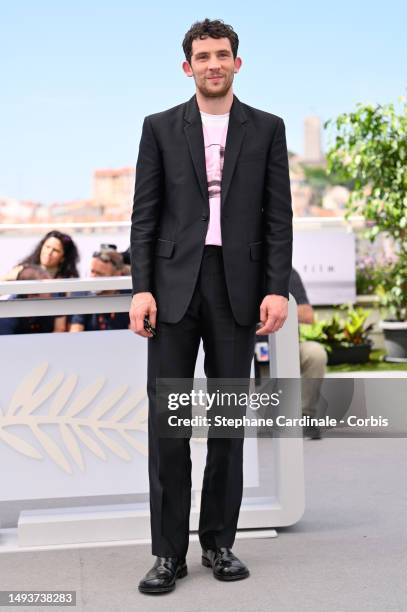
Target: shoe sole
207 563
167 589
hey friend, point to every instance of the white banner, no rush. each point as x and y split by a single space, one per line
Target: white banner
73 418
326 262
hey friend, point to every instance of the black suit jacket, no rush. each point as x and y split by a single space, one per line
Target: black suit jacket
171 209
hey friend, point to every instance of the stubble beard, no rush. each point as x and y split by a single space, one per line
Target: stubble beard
221 93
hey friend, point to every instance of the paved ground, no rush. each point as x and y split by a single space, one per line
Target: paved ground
347 554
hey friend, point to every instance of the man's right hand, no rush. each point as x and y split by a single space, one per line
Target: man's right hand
142 304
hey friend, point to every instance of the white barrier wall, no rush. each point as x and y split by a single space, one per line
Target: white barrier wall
74 417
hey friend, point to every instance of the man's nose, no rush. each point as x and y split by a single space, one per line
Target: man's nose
214 63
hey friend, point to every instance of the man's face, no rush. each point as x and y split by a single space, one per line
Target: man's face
212 66
102 268
52 252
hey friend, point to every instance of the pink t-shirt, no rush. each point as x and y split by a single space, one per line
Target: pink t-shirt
215 129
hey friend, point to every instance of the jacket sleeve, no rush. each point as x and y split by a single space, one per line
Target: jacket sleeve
277 215
145 216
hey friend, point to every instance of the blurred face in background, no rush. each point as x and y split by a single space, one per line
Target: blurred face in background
52 253
34 272
102 268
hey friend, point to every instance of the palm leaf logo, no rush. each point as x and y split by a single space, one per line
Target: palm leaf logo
74 428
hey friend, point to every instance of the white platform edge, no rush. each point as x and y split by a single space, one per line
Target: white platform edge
9 541
368 374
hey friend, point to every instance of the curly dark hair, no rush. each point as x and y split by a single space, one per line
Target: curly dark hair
215 28
67 267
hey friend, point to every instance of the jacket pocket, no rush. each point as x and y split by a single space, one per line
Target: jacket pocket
256 250
164 248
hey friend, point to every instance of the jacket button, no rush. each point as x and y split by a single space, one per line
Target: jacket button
205 217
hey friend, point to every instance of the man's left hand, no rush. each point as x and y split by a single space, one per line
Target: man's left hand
273 313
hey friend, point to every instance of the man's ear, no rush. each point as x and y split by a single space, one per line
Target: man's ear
186 67
238 64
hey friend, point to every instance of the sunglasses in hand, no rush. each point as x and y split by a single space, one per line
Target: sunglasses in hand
148 327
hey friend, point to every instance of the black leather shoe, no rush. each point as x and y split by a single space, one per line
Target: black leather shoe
162 576
225 565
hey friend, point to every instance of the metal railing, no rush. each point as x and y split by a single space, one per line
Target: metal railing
71 304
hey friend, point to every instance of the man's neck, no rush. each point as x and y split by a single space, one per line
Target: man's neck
215 106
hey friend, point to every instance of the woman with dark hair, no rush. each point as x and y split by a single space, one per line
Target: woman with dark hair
56 253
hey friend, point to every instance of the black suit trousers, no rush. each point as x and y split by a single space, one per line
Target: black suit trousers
228 348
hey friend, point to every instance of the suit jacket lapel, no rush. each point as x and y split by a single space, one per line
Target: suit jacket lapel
194 135
234 140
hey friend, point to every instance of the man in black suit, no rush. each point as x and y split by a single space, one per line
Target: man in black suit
211 247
